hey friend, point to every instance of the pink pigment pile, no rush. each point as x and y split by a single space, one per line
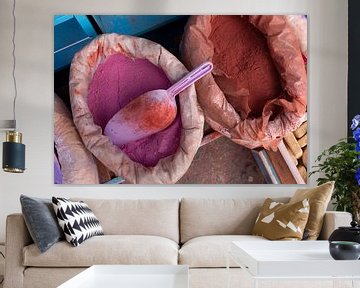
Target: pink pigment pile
115 83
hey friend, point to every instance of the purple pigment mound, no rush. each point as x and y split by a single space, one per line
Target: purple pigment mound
116 82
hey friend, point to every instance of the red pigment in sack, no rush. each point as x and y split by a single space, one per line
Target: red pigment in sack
116 82
244 69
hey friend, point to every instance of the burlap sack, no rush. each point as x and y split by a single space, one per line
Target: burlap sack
267 130
168 170
299 23
78 166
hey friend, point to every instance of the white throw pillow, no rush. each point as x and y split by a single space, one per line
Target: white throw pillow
76 220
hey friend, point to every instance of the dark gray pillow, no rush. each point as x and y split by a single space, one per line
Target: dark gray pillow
41 221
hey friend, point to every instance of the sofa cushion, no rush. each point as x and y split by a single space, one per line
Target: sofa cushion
137 217
319 198
279 221
211 251
201 217
107 249
41 221
76 220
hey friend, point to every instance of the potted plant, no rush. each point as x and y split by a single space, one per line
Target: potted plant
341 163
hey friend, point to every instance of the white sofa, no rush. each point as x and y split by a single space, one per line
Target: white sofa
194 232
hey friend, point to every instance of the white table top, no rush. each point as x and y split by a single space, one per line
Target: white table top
131 276
291 259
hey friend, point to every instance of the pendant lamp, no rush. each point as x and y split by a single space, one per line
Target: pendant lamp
13 159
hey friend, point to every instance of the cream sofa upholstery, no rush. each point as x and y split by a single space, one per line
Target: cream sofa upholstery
137 217
108 249
199 217
210 251
194 232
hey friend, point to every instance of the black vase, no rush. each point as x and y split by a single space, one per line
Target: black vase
350 234
343 250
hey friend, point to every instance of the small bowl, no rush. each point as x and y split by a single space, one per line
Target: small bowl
344 250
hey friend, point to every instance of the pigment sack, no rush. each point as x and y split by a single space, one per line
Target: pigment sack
277 116
169 169
78 166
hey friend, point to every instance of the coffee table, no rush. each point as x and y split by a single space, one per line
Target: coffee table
292 260
131 276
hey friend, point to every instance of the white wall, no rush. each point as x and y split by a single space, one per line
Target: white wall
327 88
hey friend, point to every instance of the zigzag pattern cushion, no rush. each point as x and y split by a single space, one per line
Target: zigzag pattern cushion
77 220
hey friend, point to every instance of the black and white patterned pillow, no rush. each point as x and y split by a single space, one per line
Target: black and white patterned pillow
77 220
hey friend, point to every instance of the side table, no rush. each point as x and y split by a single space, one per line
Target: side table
293 263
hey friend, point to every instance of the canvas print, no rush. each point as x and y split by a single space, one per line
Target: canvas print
179 99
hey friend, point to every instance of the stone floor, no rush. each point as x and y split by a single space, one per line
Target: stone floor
223 162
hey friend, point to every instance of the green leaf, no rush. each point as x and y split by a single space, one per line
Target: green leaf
339 163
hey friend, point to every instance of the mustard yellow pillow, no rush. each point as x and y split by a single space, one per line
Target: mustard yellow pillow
279 221
319 198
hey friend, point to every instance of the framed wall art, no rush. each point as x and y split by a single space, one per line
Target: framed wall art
125 111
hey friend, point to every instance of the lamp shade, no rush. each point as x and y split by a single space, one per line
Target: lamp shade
13 153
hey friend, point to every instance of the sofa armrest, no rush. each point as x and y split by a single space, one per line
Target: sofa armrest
17 237
333 220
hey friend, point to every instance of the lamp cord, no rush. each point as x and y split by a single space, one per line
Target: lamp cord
2 279
14 60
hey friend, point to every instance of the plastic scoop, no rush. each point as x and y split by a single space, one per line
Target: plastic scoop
151 112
